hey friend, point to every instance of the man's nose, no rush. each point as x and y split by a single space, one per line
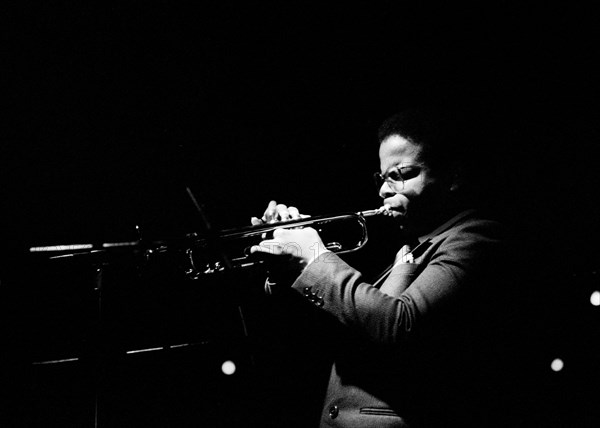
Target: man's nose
386 191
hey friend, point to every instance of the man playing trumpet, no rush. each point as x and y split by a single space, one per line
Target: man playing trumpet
418 345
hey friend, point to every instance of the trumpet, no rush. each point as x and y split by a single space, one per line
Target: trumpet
340 233
227 249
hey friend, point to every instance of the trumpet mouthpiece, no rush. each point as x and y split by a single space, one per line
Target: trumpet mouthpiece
381 210
384 209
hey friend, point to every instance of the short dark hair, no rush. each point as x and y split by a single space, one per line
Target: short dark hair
439 132
453 141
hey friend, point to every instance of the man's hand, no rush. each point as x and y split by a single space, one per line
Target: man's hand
302 246
278 212
290 250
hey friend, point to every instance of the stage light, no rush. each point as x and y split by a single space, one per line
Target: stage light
557 365
228 367
595 298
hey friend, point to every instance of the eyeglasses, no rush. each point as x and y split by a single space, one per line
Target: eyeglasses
397 175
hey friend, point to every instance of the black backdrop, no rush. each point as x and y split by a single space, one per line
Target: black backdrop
114 109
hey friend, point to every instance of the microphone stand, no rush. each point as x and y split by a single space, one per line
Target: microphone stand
214 243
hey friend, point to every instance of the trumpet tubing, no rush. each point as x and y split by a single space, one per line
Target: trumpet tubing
340 233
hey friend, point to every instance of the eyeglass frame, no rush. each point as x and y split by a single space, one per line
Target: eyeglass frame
385 177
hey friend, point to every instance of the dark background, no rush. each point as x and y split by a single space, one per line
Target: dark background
112 110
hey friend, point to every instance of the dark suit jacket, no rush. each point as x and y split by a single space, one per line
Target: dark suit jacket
417 351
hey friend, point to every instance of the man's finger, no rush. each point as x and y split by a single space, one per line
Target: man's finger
270 215
294 213
282 212
269 247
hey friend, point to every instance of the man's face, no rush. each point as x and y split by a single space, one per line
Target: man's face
419 201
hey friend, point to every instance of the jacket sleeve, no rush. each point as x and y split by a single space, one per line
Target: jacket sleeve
455 266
